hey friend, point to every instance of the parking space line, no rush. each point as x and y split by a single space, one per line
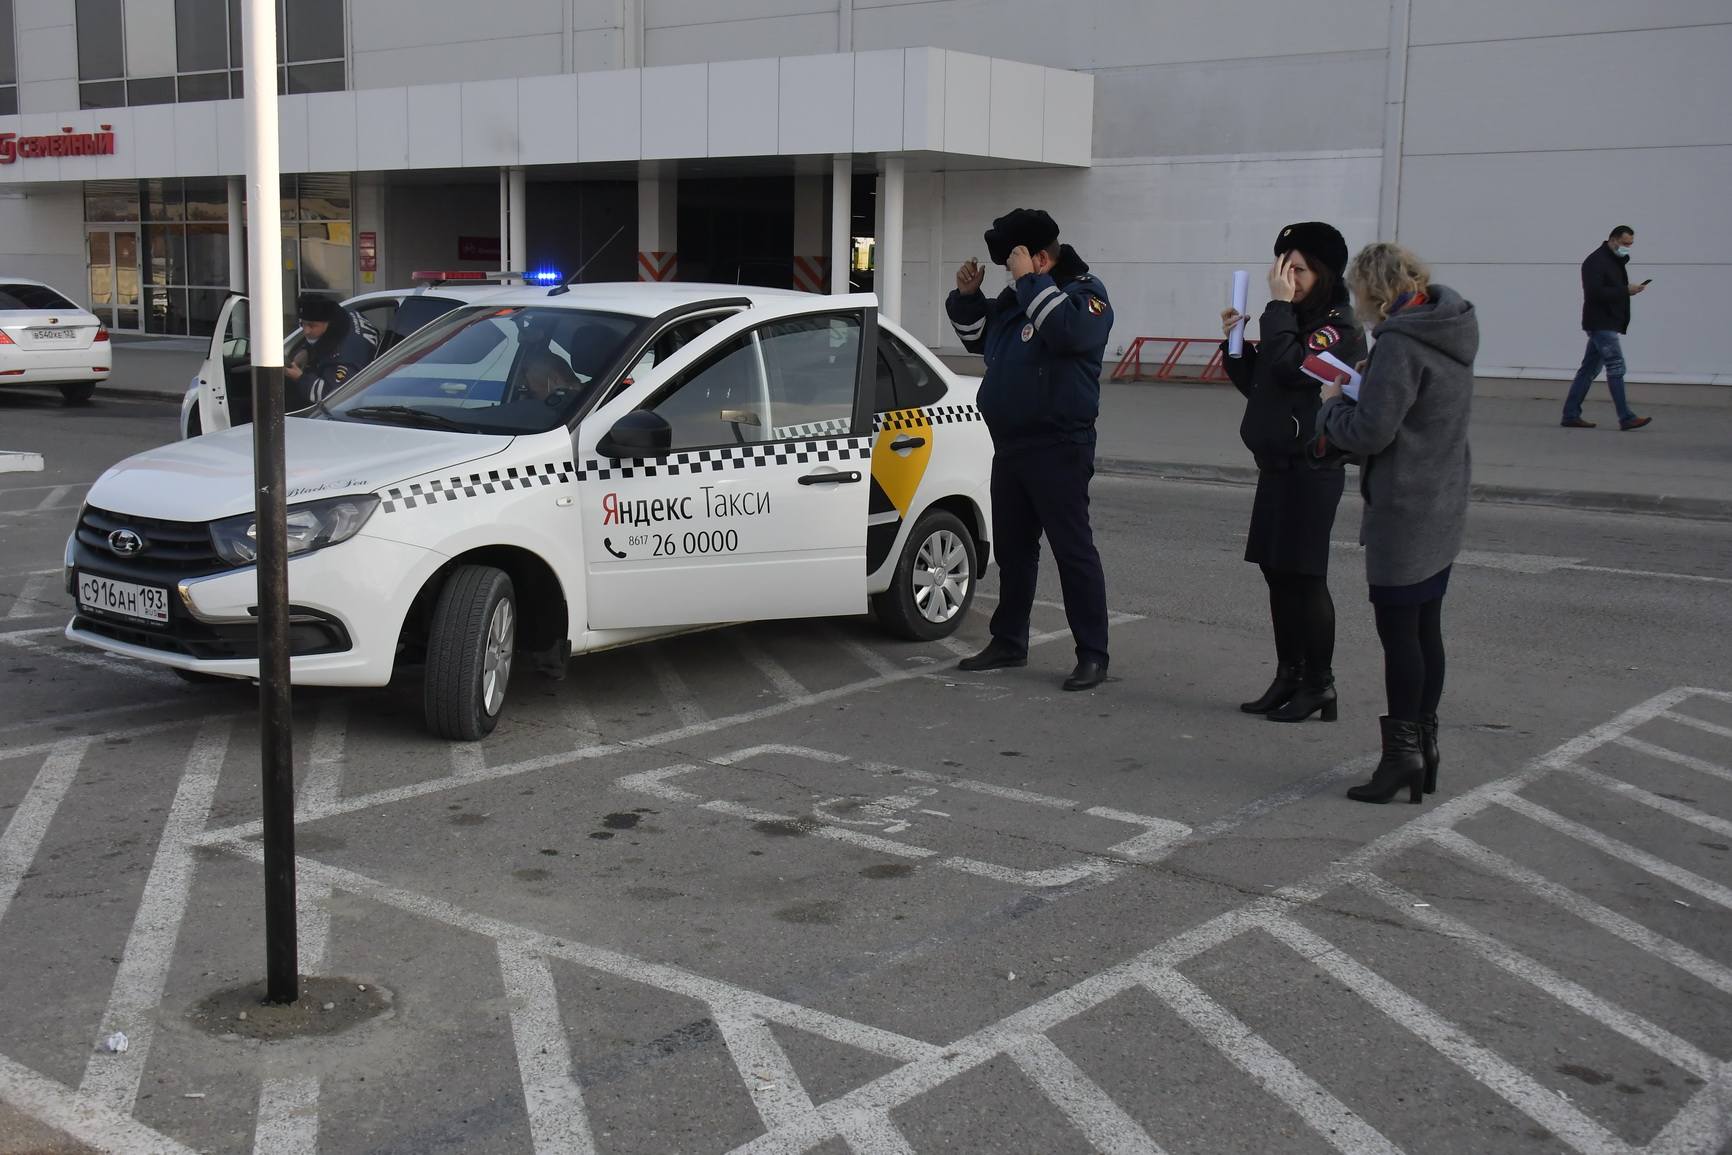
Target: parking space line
866 655
22 836
957 646
1686 760
91 659
1679 1052
558 1121
52 501
288 1117
1589 911
1647 798
766 1072
1490 1069
1091 1110
673 687
132 732
94 1124
1702 1124
1332 1120
1654 865
773 671
873 1135
29 603
1698 723
113 1080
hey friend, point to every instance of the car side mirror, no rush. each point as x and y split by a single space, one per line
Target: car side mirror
640 433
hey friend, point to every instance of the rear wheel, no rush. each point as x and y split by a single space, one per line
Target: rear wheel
934 581
471 642
78 393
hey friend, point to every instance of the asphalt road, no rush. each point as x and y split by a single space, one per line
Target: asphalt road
795 886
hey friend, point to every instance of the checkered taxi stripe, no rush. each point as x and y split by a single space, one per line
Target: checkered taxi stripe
422 493
732 457
931 415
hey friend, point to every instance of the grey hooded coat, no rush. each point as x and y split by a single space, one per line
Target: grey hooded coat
1410 429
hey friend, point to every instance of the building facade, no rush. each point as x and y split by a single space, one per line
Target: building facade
867 143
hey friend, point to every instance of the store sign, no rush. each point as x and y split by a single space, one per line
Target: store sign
367 249
478 249
67 142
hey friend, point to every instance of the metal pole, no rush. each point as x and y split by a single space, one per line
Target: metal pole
237 235
889 279
264 240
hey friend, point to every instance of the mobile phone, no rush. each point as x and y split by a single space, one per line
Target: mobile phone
1649 281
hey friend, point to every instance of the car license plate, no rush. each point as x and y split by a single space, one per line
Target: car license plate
56 334
105 595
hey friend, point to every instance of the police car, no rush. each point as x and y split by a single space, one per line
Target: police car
220 396
561 471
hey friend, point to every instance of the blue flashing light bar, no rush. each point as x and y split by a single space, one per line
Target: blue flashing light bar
545 277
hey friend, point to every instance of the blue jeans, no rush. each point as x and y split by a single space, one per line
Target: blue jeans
1604 350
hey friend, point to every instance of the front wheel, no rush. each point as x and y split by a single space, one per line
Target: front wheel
470 645
934 581
78 393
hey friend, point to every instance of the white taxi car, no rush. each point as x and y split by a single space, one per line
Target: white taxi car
45 339
561 471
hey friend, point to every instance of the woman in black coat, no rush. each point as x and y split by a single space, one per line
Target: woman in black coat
1299 483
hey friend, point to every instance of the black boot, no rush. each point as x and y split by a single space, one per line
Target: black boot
1401 765
1316 694
1282 688
1428 750
998 655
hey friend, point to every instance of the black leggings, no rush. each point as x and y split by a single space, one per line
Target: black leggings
1412 638
1304 617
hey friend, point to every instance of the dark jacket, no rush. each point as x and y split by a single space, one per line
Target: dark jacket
1043 339
348 346
1605 291
1410 428
1280 401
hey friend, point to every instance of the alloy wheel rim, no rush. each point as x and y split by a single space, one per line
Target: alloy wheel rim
941 577
500 644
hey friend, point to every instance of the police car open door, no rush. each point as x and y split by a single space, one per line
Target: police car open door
730 483
227 368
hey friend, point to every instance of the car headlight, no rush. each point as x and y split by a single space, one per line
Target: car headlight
312 526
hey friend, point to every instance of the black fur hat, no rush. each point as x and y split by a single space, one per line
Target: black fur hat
1033 229
1315 239
317 307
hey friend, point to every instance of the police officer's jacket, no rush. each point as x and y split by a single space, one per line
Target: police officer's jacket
1281 401
1043 339
348 346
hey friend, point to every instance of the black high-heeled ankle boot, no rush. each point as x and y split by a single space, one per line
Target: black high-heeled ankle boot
1282 688
1428 751
1315 695
1401 765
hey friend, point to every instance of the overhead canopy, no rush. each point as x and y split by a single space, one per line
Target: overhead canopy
928 104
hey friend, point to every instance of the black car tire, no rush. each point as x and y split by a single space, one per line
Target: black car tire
470 643
77 393
898 607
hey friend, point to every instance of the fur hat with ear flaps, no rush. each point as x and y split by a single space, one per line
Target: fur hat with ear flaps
1033 229
1318 240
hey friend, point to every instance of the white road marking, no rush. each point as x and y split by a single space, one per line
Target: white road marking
766 1072
558 1122
1703 1123
1102 1122
1691 762
1328 1116
30 603
1635 793
873 1135
22 836
113 1080
52 501
39 721
1540 564
131 732
1677 1051
93 1124
785 683
288 1116
957 646
1648 573
1692 720
673 687
1654 865
866 655
91 659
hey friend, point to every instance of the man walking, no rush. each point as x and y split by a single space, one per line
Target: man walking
1043 338
1606 293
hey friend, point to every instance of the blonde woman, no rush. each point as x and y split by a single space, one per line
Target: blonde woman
1409 426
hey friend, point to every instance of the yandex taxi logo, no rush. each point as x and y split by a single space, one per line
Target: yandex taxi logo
67 142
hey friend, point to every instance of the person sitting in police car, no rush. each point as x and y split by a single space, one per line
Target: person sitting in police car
340 344
1043 338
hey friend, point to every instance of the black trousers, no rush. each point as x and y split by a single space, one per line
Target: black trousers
1412 637
1046 490
1303 615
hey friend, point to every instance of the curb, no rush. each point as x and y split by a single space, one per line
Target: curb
123 391
1662 505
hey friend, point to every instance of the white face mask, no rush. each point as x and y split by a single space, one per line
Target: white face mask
1622 250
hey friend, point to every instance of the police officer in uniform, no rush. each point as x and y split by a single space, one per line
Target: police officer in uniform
340 343
1043 338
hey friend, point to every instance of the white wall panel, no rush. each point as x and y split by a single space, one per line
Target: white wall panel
1070 105
816 98
744 107
382 120
120 165
593 15
547 119
879 98
150 47
674 124
43 169
1016 110
195 138
48 95
1470 21
923 98
28 14
331 141
81 168
394 24
231 134
495 59
490 123
47 54
597 48
609 115
42 236
153 141
435 126
292 130
680 13
967 104
741 39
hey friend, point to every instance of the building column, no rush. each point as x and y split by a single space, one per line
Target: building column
658 256
889 278
519 262
504 218
370 222
237 234
841 222
811 269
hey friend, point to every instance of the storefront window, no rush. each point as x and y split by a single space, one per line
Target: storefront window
101 40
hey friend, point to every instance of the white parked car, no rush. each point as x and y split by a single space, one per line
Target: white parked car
560 472
221 394
47 340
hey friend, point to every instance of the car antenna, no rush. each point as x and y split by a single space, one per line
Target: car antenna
557 290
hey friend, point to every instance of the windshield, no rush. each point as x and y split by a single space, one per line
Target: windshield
490 369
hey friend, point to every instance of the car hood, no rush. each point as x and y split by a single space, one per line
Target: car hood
212 476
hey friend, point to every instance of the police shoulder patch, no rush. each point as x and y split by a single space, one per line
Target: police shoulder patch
1323 338
1028 331
1097 306
341 374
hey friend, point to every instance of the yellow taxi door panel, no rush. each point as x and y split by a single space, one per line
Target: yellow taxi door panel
901 455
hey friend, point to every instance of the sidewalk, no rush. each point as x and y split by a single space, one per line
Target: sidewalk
1680 465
